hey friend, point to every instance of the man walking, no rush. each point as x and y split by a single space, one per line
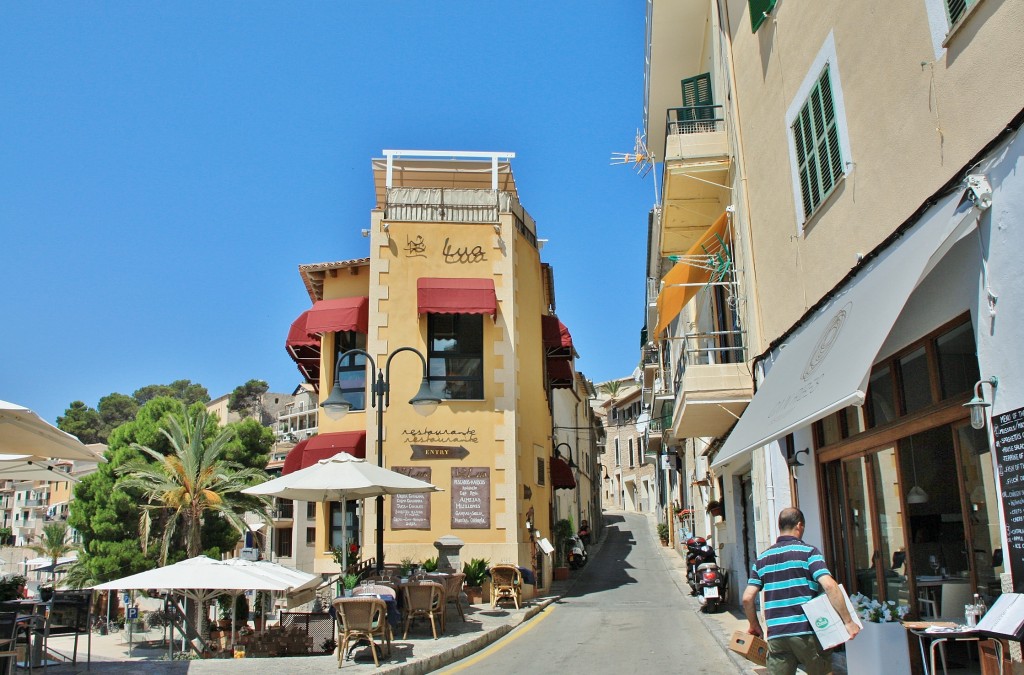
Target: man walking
791 572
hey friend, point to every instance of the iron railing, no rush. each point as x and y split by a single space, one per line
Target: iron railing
694 119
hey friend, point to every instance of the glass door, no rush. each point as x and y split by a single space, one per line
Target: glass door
981 516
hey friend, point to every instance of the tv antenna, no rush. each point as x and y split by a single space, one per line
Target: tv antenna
641 159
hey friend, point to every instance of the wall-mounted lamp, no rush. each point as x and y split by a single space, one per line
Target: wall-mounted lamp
497 229
385 228
794 460
572 464
978 404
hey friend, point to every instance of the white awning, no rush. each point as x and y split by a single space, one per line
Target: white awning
824 366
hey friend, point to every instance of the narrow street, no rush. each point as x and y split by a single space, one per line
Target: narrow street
624 613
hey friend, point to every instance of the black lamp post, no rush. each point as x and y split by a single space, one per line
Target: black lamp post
336 405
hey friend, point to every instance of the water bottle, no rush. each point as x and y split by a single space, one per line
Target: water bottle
979 606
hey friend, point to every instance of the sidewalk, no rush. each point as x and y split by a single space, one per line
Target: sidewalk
723 623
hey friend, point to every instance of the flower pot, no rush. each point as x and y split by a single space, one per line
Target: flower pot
879 648
474 594
348 592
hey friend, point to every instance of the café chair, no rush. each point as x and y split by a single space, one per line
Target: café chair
506 584
424 599
453 594
362 619
8 640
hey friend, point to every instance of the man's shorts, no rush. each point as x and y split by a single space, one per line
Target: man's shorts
786 653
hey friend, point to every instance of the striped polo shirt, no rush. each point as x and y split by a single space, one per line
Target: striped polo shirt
788 574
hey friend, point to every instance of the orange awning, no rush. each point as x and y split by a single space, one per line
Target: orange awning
675 294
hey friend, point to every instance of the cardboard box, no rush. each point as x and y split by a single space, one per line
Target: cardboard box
750 647
825 621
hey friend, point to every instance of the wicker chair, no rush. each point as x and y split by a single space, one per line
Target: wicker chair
453 593
362 619
425 598
506 584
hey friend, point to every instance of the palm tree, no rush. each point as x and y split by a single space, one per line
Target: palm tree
611 387
190 483
54 545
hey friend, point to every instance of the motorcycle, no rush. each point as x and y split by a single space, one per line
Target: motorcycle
698 552
576 553
713 584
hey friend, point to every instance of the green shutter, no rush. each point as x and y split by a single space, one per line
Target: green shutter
956 9
816 138
758 11
697 91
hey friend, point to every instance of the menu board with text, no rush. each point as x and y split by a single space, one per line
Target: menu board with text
471 497
411 511
1008 431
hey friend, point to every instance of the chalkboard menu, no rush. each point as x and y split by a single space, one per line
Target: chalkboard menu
411 512
1008 430
471 497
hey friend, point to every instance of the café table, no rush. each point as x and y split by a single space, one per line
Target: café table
385 593
941 631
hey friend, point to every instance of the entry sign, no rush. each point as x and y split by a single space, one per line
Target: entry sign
1008 431
133 612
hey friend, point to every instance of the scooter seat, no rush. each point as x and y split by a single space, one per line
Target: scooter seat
707 566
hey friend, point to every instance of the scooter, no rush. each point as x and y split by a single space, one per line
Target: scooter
713 585
698 552
576 553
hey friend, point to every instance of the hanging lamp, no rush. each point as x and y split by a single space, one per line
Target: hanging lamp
916 495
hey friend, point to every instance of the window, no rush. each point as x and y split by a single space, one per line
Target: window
618 454
310 536
816 137
353 367
284 508
631 452
310 510
455 347
342 533
540 471
283 542
759 11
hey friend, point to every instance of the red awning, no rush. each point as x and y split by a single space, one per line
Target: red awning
456 296
340 314
560 373
561 475
312 450
557 340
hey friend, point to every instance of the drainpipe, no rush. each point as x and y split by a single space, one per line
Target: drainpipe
769 481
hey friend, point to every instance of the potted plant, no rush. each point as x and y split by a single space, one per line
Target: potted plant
881 645
407 567
476 573
663 533
429 565
350 581
716 509
562 532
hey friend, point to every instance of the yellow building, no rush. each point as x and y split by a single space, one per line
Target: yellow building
454 272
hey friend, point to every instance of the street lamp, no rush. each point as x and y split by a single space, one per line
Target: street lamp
336 406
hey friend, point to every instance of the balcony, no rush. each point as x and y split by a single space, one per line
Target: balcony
697 175
651 361
713 384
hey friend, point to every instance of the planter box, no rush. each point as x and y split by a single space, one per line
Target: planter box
561 573
879 648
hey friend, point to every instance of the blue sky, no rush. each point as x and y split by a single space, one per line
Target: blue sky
165 168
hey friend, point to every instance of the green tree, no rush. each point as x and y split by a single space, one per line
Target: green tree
186 391
54 544
247 399
192 481
611 387
115 409
82 421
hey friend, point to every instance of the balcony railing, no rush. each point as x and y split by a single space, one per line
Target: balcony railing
712 348
694 119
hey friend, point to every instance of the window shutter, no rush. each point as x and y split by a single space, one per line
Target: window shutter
956 9
816 137
758 11
697 92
